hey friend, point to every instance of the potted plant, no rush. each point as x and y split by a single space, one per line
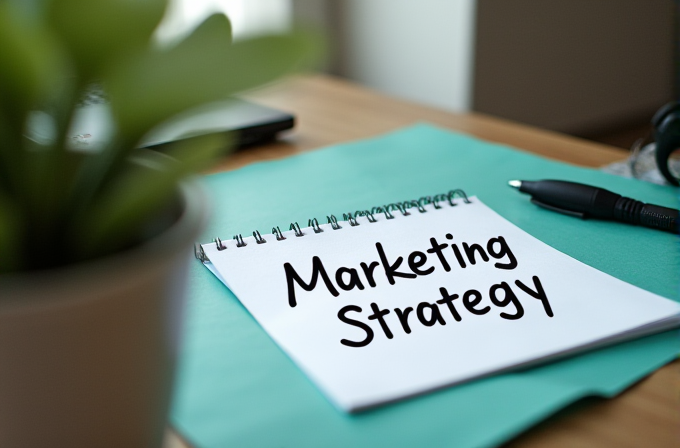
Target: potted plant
93 244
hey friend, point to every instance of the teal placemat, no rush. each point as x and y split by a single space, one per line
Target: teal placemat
236 388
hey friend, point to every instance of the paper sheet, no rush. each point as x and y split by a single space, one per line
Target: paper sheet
390 309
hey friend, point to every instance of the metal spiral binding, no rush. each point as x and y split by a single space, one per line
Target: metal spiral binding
351 218
383 209
314 224
200 253
278 234
258 237
239 241
401 206
367 214
220 245
332 220
295 227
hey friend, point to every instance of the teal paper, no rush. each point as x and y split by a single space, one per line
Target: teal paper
236 388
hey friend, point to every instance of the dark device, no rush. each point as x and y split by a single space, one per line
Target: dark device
252 124
666 124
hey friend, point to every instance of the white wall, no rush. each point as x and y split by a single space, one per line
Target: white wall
421 50
577 66
247 17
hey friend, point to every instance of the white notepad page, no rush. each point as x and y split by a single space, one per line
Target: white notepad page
448 323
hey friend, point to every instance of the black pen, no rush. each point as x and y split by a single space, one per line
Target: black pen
584 201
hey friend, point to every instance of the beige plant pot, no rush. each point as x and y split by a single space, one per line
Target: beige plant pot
87 353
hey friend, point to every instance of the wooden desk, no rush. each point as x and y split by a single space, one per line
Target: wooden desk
331 111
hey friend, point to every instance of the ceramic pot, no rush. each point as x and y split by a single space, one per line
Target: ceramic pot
87 353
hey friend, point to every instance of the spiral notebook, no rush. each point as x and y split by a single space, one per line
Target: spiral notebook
400 299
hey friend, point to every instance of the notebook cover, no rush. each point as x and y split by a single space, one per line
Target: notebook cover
235 387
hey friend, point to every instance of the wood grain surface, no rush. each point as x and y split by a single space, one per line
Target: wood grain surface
330 111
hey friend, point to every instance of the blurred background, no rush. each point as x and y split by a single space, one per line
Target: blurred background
593 69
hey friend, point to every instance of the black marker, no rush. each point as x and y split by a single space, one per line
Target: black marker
584 201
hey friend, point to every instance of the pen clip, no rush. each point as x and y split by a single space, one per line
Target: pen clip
559 210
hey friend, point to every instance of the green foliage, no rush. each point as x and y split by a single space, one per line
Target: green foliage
64 206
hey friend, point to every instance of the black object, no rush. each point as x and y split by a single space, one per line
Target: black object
666 124
584 201
248 123
251 124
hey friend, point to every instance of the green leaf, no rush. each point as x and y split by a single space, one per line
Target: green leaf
76 206
203 68
216 27
31 62
33 70
98 32
115 218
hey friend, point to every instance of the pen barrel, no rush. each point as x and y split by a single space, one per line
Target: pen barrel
572 196
660 218
628 210
648 215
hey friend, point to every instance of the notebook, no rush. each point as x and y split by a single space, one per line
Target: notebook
235 386
408 297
